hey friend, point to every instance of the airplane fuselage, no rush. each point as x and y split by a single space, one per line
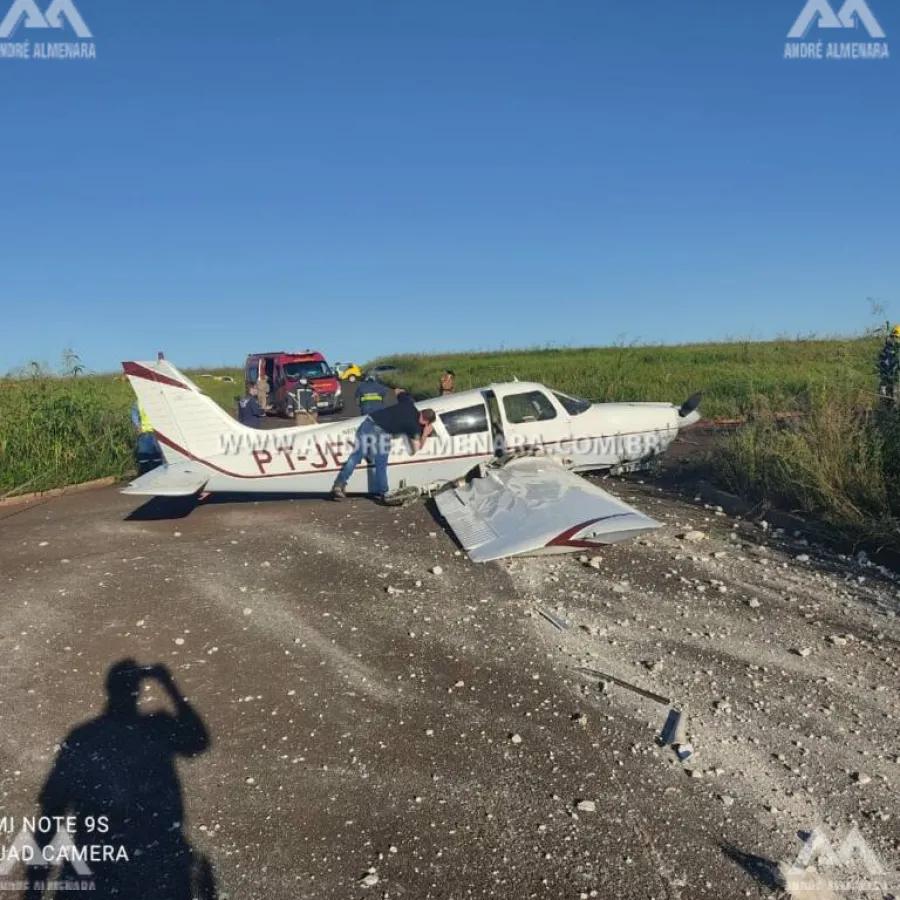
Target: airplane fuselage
471 428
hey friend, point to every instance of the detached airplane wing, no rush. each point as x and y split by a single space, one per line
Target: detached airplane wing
532 505
176 480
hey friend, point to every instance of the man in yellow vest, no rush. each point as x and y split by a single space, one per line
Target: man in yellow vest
148 452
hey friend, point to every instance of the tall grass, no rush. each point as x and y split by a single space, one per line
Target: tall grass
64 428
836 464
56 431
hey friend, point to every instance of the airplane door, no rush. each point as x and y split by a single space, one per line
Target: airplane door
532 417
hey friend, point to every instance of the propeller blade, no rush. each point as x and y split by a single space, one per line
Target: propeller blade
690 404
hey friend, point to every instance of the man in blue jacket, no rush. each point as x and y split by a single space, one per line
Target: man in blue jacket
371 395
249 412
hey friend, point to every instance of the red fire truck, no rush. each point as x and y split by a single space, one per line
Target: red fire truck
287 370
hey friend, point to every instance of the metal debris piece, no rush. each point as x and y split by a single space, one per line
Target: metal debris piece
625 684
631 687
684 751
554 620
673 730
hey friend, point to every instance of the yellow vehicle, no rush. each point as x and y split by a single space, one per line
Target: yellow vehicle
348 371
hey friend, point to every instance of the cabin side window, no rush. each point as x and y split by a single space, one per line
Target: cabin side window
529 406
471 420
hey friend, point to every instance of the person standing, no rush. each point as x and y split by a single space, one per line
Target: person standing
889 366
448 382
148 453
371 395
373 441
306 411
249 412
262 390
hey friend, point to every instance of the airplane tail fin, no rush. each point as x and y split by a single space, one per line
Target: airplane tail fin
189 424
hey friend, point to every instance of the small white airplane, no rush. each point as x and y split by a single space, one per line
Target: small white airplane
521 442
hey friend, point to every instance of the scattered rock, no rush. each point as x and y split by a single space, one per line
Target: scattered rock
861 778
516 738
693 536
437 570
753 603
370 879
586 806
801 651
837 640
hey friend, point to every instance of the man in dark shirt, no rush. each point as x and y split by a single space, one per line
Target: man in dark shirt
249 412
373 441
371 395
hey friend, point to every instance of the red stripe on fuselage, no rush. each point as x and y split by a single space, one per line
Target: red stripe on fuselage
409 462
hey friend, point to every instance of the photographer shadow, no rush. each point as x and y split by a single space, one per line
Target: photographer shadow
116 775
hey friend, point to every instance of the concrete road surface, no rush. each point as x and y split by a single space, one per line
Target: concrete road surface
361 724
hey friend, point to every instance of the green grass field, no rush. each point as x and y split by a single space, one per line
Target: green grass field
57 430
735 377
60 430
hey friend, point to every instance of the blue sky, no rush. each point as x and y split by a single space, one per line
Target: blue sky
372 176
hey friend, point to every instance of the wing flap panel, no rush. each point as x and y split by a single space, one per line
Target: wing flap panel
533 505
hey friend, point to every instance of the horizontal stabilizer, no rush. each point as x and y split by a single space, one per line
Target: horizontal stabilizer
532 505
178 480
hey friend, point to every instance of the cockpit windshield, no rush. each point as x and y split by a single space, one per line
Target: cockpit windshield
312 369
573 405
